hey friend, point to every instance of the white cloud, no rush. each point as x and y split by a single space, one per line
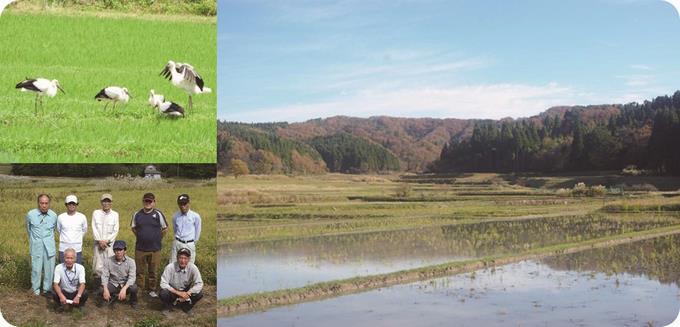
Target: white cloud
474 101
638 80
641 67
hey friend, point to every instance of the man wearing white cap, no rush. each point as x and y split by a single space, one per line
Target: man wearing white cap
105 224
72 226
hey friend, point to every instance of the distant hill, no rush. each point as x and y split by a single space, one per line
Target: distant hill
415 141
565 138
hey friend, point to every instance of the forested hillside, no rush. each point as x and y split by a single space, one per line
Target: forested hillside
561 139
573 139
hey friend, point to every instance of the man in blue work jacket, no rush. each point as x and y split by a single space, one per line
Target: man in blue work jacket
40 226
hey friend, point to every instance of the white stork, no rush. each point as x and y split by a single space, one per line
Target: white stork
41 87
185 77
167 108
3 4
113 94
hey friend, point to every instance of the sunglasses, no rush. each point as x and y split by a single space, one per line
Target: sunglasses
148 201
71 204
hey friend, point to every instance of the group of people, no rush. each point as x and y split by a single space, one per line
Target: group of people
119 276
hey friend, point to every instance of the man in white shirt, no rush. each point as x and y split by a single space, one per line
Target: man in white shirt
187 226
105 224
72 226
69 282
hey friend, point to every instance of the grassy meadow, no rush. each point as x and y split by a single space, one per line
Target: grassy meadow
87 52
18 195
256 210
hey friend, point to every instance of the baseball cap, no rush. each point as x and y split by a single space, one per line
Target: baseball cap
71 198
149 196
107 196
184 251
119 244
183 198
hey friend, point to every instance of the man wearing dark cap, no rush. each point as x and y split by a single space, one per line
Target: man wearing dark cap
187 226
118 276
149 226
181 284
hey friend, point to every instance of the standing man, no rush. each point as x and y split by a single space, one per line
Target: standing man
40 225
118 277
149 226
181 284
187 225
72 226
69 282
105 224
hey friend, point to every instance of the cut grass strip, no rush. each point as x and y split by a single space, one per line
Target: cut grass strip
260 301
393 227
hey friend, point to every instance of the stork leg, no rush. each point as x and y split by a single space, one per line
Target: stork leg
35 109
191 103
106 105
114 106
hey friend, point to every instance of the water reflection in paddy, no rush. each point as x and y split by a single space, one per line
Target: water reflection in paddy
263 266
637 286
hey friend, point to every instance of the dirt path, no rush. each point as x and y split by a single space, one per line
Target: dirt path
22 308
319 291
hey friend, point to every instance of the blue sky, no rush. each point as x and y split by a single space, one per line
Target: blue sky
299 60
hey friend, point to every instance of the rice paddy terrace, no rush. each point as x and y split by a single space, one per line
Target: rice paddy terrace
317 244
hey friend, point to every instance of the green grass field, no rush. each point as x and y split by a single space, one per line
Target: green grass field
87 53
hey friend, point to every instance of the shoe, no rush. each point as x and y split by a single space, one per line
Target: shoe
189 312
59 309
153 294
133 305
165 313
36 292
82 310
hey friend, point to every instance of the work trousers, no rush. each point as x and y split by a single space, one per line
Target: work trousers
147 268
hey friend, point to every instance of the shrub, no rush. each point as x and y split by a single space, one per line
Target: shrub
403 191
597 190
580 189
563 192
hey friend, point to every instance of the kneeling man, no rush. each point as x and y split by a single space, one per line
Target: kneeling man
118 276
69 282
181 283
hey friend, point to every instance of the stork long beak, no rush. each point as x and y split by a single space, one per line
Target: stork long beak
60 89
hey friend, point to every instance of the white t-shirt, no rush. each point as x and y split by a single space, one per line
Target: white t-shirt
71 231
69 280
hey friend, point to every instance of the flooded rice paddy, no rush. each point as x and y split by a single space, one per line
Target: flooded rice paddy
633 284
270 265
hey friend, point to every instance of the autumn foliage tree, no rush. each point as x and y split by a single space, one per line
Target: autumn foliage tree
238 167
